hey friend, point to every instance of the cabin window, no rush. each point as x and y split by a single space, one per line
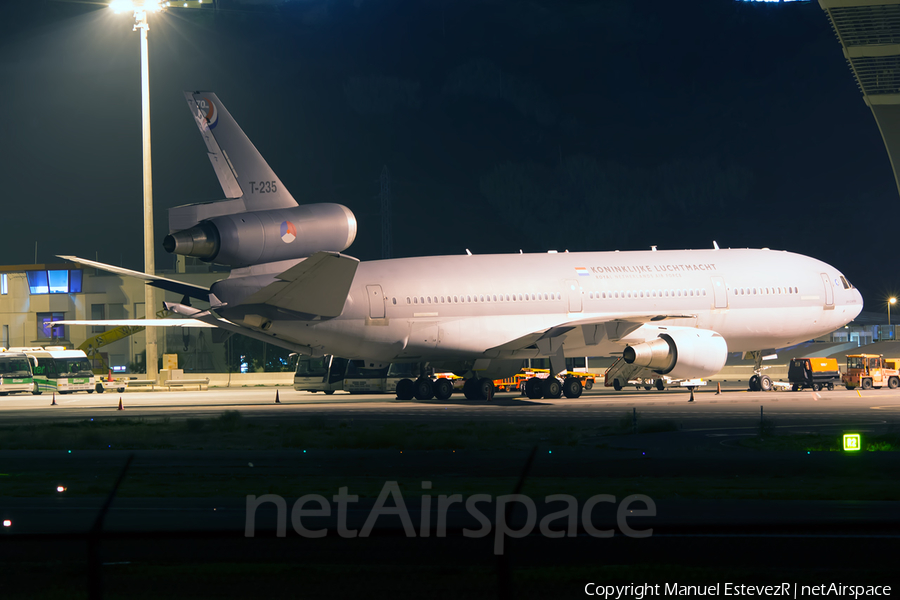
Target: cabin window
407 300
394 300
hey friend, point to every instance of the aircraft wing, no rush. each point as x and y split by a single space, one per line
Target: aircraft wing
171 285
318 286
612 327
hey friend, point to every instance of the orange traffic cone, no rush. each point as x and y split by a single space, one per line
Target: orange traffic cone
718 388
110 376
54 401
120 404
277 401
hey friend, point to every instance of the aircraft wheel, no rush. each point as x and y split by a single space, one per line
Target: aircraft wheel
866 384
470 389
754 383
617 385
406 389
551 388
533 388
765 383
572 387
660 384
893 382
486 389
443 389
422 389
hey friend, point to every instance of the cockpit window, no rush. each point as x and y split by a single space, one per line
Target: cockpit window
846 283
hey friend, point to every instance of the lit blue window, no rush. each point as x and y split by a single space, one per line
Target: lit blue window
4 284
37 282
59 282
74 282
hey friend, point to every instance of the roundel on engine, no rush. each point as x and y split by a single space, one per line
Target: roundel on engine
288 232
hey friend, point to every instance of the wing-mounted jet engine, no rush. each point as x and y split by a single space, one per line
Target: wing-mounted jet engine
259 221
681 353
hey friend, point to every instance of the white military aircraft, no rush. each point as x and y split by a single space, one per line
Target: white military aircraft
677 313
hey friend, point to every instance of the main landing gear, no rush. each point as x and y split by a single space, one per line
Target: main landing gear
424 388
551 387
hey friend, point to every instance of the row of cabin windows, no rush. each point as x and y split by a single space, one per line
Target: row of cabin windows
605 295
479 298
764 291
691 293
649 294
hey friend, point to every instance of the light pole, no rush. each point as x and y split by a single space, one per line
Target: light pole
141 9
891 300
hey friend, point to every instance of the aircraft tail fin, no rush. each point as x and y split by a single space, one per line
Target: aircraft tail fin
240 168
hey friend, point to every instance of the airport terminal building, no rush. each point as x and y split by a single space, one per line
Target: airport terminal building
33 297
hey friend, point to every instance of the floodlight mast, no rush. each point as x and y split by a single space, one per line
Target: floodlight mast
140 11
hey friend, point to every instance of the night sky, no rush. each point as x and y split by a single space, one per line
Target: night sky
506 125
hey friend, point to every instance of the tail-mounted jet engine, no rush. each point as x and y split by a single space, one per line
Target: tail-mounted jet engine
252 238
681 353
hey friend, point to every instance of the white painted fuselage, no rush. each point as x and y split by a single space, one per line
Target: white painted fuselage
449 308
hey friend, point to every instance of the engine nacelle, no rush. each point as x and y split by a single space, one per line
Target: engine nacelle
252 238
681 353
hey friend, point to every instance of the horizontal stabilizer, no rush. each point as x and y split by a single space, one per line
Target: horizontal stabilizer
171 285
138 323
318 285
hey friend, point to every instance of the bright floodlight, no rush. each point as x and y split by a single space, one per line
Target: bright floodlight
119 6
892 300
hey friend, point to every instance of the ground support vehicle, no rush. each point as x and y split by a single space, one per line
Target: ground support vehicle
60 371
117 384
621 374
815 373
869 371
16 373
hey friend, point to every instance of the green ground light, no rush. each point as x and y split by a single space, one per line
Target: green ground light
852 442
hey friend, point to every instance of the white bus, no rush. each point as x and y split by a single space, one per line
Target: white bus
329 373
361 379
16 374
322 374
58 370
